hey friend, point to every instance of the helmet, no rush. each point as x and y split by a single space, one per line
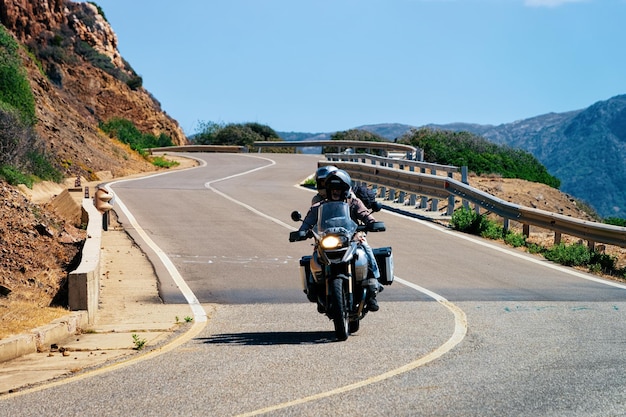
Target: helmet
321 174
320 178
339 180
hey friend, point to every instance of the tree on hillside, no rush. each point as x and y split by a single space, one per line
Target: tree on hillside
356 135
265 131
238 134
208 131
478 154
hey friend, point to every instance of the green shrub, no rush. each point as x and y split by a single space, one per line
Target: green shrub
478 154
491 230
14 176
161 162
14 86
100 11
467 221
515 239
310 182
135 82
534 248
568 255
41 167
602 262
125 131
615 221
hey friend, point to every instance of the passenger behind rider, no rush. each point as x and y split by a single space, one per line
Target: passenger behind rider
336 185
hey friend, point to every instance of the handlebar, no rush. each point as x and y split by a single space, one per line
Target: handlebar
298 235
373 227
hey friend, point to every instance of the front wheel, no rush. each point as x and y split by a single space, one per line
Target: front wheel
339 314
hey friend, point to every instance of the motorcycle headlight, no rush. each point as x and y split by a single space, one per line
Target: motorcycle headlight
331 242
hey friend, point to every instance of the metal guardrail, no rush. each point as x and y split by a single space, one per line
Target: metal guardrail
444 187
201 148
437 186
410 151
391 162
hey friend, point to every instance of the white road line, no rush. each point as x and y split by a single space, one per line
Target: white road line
460 330
460 319
209 186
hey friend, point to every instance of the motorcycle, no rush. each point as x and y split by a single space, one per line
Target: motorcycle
335 275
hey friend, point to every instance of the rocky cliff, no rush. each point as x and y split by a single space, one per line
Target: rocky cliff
79 79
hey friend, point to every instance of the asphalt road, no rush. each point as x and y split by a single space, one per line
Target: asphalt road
470 328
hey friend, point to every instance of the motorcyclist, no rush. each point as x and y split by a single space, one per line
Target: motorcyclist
320 182
338 187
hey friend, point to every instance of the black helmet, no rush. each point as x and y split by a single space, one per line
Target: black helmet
321 174
339 180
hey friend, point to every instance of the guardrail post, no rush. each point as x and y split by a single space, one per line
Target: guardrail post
526 230
505 226
557 238
450 208
434 203
450 200
464 180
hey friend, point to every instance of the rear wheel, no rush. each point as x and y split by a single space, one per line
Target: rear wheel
339 315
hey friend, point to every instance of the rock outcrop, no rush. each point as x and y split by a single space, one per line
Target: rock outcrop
73 94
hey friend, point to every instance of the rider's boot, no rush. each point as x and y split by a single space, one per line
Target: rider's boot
372 290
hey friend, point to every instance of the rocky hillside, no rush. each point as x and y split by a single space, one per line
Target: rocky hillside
79 79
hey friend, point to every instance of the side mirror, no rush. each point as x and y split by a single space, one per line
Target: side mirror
296 216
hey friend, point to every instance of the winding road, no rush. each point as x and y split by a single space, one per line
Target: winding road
469 328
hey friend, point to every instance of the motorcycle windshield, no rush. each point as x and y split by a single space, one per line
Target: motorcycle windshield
334 217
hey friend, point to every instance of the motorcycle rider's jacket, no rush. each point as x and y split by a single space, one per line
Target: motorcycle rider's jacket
358 211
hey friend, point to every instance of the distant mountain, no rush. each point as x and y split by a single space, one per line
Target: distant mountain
585 149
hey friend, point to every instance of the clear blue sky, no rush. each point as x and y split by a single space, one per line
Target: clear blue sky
329 65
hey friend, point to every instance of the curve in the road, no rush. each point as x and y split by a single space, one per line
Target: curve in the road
200 315
460 330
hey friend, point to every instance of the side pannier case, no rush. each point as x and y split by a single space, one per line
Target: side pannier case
305 276
384 258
